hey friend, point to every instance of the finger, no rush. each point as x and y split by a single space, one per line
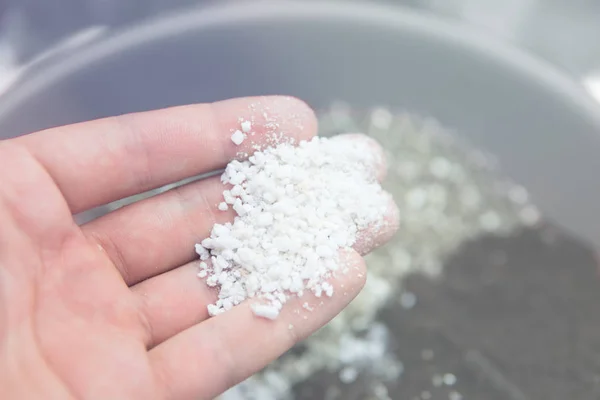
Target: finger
97 162
210 357
158 234
381 232
372 147
177 299
46 223
174 301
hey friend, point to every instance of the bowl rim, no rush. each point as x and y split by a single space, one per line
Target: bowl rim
60 65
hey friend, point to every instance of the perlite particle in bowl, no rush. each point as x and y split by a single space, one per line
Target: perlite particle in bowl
448 193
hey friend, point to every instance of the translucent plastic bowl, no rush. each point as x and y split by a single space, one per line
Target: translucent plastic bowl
543 127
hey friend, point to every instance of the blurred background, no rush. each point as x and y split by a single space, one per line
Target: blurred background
564 32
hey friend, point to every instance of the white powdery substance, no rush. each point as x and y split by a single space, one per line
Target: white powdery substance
297 208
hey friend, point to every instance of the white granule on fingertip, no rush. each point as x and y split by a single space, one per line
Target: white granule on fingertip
265 311
246 126
297 208
202 252
223 206
238 137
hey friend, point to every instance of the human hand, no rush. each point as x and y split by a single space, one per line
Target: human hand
113 309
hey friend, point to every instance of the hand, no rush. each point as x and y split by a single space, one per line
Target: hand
113 309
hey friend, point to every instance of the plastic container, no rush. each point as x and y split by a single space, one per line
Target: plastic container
542 126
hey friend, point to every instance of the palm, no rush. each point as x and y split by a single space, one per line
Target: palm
112 309
84 323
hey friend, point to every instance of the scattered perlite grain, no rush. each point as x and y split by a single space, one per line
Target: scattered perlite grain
238 137
449 379
298 208
437 380
348 375
408 300
454 395
246 126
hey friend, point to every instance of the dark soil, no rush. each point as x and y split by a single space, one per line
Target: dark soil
512 318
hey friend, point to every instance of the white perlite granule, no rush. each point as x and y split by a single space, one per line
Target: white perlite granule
246 126
238 137
298 207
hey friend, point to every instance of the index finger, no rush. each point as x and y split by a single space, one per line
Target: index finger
94 163
203 361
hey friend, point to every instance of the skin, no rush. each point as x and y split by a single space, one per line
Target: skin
113 309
